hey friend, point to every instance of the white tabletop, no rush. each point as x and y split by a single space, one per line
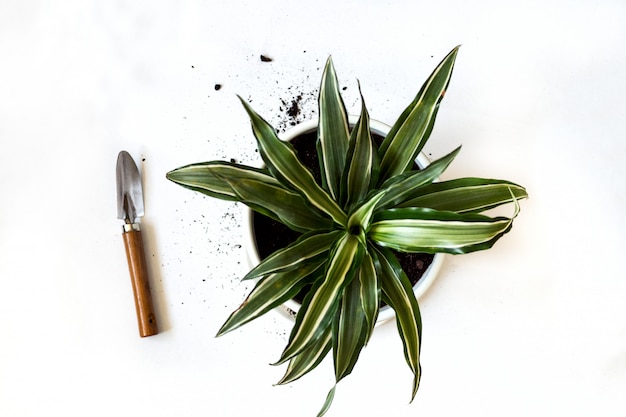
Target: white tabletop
535 326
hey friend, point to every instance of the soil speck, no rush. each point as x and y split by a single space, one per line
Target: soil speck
218 87
265 58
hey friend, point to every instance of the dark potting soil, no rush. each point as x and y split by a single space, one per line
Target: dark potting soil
273 235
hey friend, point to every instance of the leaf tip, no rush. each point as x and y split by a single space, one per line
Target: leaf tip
329 73
516 202
328 402
416 382
247 106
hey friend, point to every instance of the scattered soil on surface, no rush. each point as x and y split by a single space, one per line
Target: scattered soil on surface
274 235
302 106
293 106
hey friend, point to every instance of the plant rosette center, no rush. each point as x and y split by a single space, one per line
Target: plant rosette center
357 230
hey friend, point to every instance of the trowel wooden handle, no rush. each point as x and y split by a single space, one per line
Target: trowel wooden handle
139 279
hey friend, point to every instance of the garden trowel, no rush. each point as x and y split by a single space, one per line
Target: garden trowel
129 208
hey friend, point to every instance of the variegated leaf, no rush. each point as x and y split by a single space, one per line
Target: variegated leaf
283 163
362 162
211 178
370 292
301 251
271 292
398 294
288 206
350 329
329 400
333 131
467 195
309 358
431 231
405 187
412 129
215 179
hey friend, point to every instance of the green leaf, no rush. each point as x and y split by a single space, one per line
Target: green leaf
362 164
309 358
211 178
271 292
431 231
370 292
398 294
318 311
466 195
412 129
333 131
351 331
287 206
284 165
328 402
404 186
216 179
302 250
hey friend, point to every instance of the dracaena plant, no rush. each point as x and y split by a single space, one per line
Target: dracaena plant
370 200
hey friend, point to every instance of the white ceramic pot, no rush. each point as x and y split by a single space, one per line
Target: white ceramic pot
290 308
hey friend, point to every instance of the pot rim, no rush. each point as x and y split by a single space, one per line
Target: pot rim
291 307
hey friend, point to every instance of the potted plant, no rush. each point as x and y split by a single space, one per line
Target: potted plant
369 202
265 235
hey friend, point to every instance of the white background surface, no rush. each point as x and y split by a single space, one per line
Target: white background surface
536 326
